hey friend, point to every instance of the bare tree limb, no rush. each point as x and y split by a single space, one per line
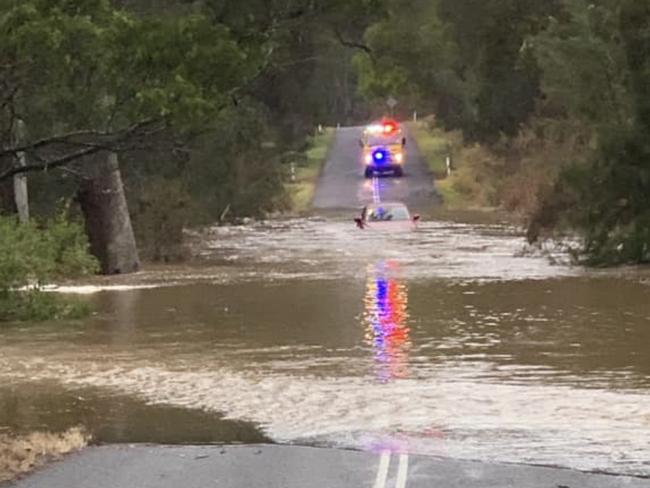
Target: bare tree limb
53 163
353 44
68 139
119 141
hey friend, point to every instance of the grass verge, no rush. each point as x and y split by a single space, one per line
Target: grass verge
302 183
19 455
460 190
434 145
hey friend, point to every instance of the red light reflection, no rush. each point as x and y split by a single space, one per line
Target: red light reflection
386 316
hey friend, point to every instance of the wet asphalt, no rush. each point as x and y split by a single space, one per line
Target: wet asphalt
266 466
342 184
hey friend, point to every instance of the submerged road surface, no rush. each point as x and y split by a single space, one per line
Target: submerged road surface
343 186
453 356
297 467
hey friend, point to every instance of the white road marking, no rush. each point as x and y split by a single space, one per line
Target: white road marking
376 197
402 471
382 471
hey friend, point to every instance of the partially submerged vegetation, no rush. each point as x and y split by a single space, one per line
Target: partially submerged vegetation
190 109
201 109
553 103
33 255
512 174
21 454
305 169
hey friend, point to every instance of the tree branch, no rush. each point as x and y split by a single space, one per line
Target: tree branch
53 163
353 44
116 142
68 138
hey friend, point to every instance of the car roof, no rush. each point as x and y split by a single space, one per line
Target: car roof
381 141
386 205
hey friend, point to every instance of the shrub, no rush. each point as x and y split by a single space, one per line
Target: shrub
31 256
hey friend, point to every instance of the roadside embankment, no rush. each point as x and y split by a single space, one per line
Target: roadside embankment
21 454
435 146
301 182
459 169
508 177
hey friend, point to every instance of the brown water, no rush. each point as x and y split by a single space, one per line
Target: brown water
452 341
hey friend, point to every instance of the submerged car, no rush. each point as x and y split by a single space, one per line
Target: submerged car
383 149
387 216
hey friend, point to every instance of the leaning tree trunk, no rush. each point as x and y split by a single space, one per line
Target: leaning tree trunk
106 213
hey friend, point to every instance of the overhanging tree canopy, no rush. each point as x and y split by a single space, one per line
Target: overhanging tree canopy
85 77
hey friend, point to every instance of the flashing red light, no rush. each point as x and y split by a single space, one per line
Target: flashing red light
389 126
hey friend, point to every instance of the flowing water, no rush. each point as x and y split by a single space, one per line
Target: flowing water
453 340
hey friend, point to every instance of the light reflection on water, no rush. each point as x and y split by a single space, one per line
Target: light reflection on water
386 316
447 341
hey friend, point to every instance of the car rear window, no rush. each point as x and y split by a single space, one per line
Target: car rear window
385 214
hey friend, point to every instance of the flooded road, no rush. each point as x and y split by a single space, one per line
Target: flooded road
452 341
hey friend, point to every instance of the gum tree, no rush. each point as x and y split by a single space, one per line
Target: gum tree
90 81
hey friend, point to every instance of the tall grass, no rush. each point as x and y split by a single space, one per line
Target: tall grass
307 167
21 454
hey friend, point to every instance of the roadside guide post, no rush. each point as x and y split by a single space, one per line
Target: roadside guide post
391 102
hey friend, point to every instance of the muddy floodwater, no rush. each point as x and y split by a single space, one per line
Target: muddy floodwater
452 341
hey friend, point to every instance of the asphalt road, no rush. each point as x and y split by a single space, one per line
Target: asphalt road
271 466
343 186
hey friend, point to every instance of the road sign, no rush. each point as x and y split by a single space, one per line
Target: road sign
391 102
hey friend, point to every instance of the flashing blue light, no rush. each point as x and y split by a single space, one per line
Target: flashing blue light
379 156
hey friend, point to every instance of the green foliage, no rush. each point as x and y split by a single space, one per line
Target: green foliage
30 257
308 166
435 145
506 76
615 219
89 66
601 74
462 60
232 88
238 165
415 58
583 64
182 68
235 170
553 97
36 306
161 210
